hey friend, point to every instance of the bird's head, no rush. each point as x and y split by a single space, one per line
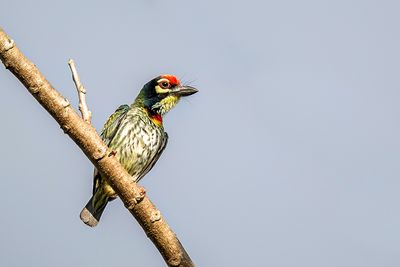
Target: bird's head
161 94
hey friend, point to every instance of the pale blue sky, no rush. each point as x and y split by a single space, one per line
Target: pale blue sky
288 156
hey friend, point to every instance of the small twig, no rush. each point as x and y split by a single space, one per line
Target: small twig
83 108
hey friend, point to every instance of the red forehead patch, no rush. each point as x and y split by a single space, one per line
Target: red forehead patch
171 78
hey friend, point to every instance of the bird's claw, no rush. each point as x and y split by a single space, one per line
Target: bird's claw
111 153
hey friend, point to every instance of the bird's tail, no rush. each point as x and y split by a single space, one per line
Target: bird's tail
93 210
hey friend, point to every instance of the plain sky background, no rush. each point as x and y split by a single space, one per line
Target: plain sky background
288 156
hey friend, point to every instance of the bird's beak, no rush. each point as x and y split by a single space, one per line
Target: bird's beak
184 90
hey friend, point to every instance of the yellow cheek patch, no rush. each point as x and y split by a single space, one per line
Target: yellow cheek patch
166 104
160 90
169 102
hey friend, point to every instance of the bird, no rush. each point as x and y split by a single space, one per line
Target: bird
135 134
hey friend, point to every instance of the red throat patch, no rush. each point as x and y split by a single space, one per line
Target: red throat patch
156 118
172 79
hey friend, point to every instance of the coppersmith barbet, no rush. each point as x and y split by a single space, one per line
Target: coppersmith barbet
136 134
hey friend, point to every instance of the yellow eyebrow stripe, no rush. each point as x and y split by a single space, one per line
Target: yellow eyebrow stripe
163 80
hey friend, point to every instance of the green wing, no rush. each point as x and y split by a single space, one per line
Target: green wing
107 134
160 150
112 124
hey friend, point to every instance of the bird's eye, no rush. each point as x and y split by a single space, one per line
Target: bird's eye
164 85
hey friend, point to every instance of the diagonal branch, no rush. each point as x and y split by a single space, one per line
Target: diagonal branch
86 137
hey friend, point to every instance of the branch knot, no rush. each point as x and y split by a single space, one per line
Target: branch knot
8 45
65 103
175 261
155 216
101 152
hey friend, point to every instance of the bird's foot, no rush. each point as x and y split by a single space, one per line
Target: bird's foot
111 153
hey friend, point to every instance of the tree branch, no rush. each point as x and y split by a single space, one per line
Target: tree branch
83 108
86 137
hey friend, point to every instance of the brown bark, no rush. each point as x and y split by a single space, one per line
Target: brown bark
86 137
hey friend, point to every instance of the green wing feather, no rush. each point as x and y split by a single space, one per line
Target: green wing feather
150 165
112 124
107 134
